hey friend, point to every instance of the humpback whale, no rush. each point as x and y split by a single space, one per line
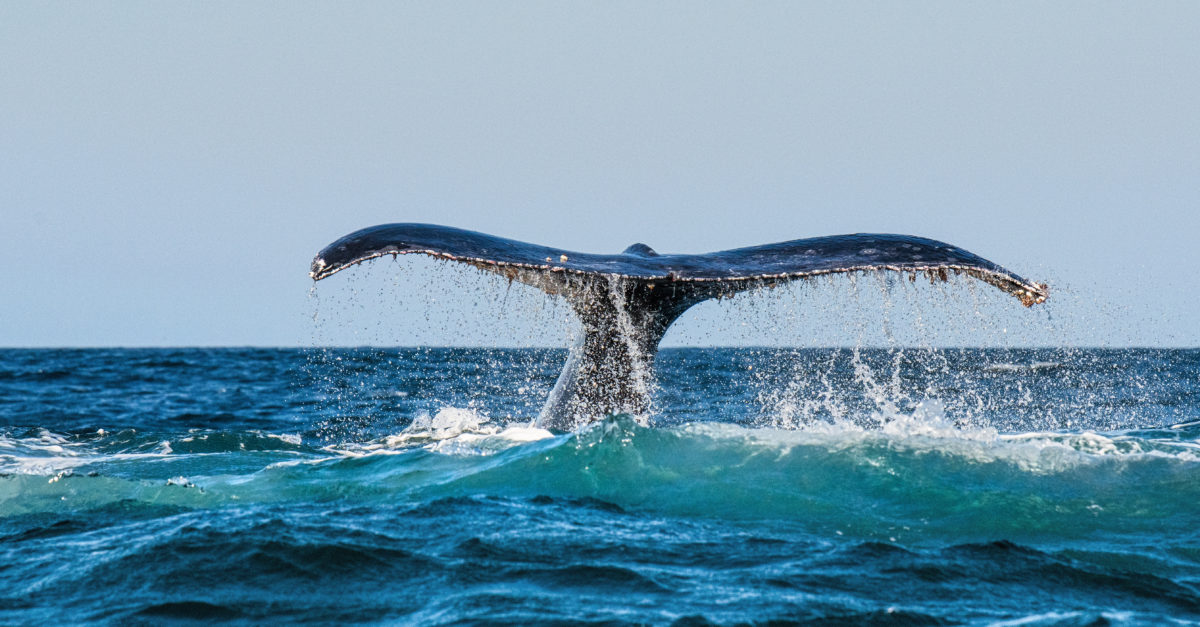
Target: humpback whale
626 302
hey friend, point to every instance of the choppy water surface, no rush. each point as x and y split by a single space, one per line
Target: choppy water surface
405 485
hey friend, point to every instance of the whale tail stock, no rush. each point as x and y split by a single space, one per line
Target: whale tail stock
626 302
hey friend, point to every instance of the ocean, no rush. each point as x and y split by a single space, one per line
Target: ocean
829 486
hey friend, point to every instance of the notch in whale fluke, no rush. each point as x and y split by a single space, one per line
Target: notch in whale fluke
622 313
640 250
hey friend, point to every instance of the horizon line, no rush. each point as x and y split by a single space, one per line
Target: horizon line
559 347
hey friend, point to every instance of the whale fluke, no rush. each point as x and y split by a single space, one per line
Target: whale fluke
626 301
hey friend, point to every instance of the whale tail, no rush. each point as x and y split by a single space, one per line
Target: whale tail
626 302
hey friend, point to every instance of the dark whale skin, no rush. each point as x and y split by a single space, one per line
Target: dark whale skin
626 301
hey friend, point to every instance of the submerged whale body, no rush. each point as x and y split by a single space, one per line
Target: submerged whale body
627 301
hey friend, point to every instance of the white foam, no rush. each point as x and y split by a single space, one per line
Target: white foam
1031 367
50 454
451 431
290 438
525 434
488 444
926 429
452 421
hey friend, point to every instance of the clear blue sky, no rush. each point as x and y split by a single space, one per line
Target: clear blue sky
168 170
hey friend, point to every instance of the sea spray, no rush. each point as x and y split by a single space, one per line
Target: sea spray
150 485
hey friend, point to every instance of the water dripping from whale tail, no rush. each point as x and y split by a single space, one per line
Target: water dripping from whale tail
627 301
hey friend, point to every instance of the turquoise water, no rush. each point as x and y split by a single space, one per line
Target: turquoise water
1051 487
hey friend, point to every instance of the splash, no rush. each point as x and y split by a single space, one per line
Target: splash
641 360
624 317
452 430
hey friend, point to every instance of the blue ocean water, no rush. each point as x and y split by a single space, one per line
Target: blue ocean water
770 486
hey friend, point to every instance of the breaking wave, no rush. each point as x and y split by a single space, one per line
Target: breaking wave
917 476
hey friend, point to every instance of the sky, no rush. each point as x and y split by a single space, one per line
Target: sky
168 170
